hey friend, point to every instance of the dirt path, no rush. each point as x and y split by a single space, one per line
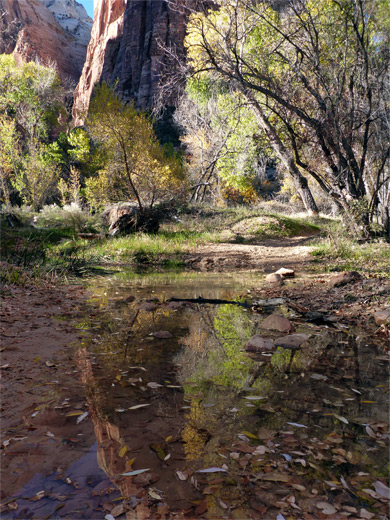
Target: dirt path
269 255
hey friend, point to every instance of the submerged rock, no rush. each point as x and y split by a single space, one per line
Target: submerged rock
259 344
276 322
292 342
162 334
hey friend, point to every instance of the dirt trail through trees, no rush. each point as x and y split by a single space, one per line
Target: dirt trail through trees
268 255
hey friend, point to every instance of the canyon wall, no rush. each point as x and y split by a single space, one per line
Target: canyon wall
47 31
127 45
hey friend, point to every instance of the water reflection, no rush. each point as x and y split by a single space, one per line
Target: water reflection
210 431
274 428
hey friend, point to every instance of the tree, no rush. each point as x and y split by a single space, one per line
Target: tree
137 167
32 104
219 136
314 74
9 156
36 180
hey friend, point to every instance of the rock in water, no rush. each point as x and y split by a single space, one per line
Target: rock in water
276 322
292 342
259 344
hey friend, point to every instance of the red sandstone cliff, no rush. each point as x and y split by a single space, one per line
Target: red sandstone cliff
127 42
31 30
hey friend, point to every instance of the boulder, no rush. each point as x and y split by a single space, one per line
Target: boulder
345 278
259 344
112 213
276 322
292 342
285 273
146 221
382 317
274 278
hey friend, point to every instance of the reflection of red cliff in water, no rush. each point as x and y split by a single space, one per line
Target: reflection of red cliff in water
140 439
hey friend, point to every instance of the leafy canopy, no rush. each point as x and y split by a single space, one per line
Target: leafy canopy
136 167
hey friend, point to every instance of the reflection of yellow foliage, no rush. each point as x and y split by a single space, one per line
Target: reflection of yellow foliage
193 434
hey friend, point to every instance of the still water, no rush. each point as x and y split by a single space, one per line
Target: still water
187 424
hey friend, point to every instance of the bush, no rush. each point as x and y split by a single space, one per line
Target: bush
70 216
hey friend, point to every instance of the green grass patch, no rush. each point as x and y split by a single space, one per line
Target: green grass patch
339 252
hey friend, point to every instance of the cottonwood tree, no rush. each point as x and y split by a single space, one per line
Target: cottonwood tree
136 167
32 103
221 139
314 74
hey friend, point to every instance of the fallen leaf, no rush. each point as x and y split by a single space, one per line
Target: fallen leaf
381 489
154 385
370 432
122 452
250 435
366 514
341 418
49 434
326 508
82 417
319 377
117 510
297 425
181 475
136 472
138 406
274 476
109 517
154 493
50 364
157 448
211 470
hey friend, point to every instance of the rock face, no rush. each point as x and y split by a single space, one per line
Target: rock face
127 45
48 31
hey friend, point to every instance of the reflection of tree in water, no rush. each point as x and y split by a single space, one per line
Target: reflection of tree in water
116 368
213 411
214 346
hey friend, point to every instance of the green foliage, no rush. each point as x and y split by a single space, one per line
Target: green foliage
9 156
37 177
137 167
231 366
32 95
303 70
31 105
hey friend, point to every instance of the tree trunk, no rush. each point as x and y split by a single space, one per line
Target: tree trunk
300 181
